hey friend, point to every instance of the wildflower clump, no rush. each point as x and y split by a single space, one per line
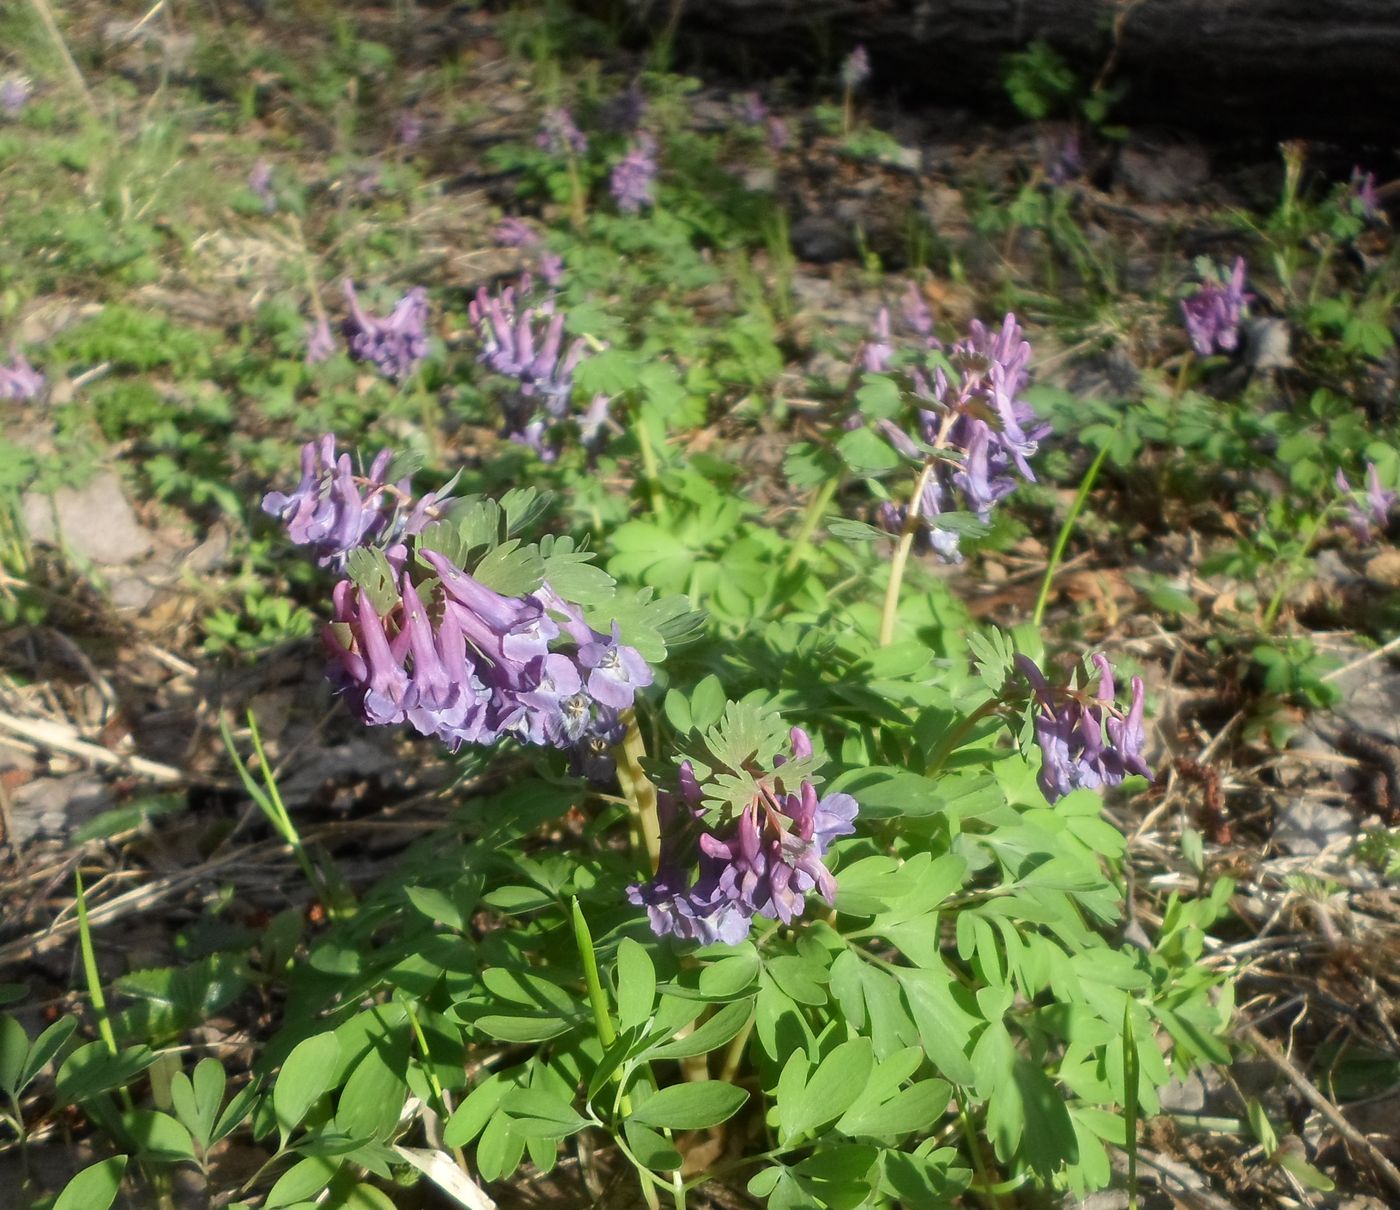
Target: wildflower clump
973 432
396 344
747 837
20 380
1213 312
522 339
1369 509
1086 740
443 619
634 176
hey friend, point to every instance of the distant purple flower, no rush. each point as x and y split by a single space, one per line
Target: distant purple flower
1365 198
15 92
20 381
634 176
752 109
778 134
761 859
1214 311
558 135
1373 509
855 71
260 182
1061 156
525 341
409 129
550 267
335 511
395 344
1086 741
320 342
976 428
515 233
876 352
917 317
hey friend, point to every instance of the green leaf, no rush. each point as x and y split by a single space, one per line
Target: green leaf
714 1033
523 507
725 979
302 1181
14 1052
470 1117
95 1187
45 1047
866 452
653 1150
12 993
499 1152
158 1136
834 1086
848 529
305 1077
372 1100
435 905
511 569
196 1101
370 571
694 1106
707 702
636 984
92 1069
536 1113
913 1108
235 1111
522 1028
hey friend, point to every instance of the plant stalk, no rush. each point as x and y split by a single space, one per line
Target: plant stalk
901 556
1062 540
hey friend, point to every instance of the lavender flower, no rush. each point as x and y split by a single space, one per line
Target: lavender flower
320 343
1085 741
1365 198
395 344
335 511
1061 156
761 860
1372 509
752 110
976 436
260 182
409 129
634 176
876 352
515 233
558 135
855 71
778 135
1214 311
15 92
526 343
550 268
466 664
20 381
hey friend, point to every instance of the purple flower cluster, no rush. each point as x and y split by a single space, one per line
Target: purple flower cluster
712 882
409 129
260 182
396 343
1085 741
558 135
976 436
634 176
855 71
515 233
15 92
1061 154
1364 196
334 511
468 665
525 341
320 342
20 381
1373 509
1214 311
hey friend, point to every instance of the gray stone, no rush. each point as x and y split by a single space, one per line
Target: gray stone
57 806
1266 344
95 522
1306 825
821 240
1163 169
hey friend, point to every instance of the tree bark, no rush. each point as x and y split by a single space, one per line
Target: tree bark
1273 68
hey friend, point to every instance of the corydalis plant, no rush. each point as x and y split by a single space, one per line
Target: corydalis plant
523 340
1214 311
1369 509
20 381
972 439
1086 740
335 511
746 838
634 176
396 344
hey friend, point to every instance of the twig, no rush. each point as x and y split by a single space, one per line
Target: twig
1383 650
1325 1107
44 733
46 18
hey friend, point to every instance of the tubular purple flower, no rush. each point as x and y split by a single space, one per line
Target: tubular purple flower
558 135
1372 510
634 175
1365 198
260 182
1213 313
1070 727
409 129
320 343
20 381
395 344
752 110
615 671
855 71
515 233
14 95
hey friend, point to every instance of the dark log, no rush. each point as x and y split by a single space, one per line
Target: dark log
1272 68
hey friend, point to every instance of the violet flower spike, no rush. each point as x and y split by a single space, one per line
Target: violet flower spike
396 344
1365 198
260 182
515 233
1213 313
320 342
20 381
634 176
558 135
15 92
855 70
1372 510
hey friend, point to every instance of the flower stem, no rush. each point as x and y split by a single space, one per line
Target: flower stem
901 556
1291 571
650 470
955 735
639 790
1085 487
810 520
